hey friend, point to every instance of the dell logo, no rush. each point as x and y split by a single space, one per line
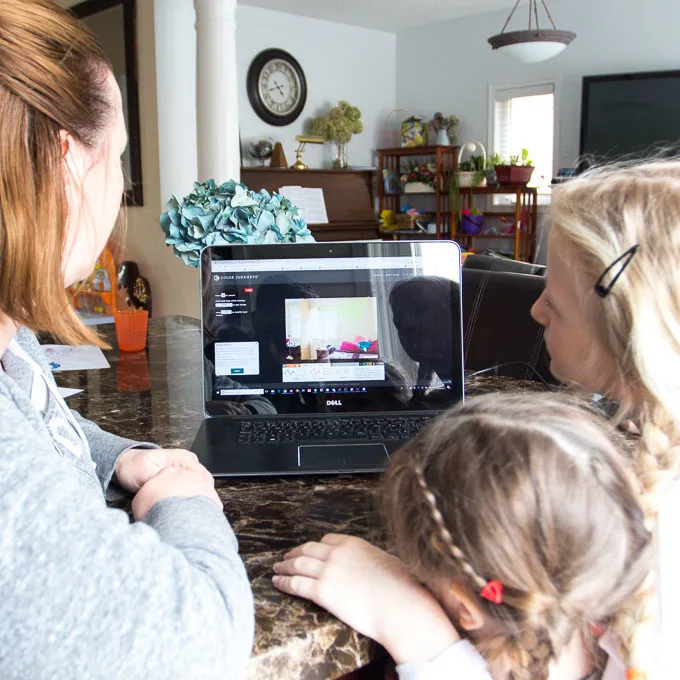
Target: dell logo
333 402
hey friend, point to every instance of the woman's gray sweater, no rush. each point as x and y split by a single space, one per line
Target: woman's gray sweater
84 593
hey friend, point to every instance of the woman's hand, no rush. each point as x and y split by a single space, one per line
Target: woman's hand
173 482
135 467
371 591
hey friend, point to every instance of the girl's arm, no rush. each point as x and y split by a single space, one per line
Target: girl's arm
374 593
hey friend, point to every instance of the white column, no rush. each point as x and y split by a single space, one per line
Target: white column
175 37
217 91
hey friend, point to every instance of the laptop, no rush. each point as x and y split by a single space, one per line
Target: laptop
324 358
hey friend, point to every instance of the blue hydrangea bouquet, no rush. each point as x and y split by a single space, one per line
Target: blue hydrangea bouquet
228 214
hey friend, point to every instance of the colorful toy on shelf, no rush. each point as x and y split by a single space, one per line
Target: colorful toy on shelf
97 294
387 220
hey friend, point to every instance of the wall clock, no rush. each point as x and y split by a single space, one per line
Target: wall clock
277 88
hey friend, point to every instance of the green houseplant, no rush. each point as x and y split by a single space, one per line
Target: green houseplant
472 173
492 161
338 126
517 170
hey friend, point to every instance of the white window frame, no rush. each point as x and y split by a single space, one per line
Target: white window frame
544 86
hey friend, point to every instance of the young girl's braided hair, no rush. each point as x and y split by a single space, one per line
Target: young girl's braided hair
530 492
595 219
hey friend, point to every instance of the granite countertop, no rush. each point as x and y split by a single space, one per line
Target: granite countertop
157 396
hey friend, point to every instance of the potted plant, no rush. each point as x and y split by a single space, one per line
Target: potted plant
419 178
445 127
472 173
517 171
492 161
338 125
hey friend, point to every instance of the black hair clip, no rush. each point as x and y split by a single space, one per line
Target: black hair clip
625 259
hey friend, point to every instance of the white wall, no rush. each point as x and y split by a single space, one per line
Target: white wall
174 289
339 61
454 73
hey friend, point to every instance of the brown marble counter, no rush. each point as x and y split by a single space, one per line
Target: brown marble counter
157 396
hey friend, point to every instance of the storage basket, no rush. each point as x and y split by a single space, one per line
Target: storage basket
406 221
466 178
471 224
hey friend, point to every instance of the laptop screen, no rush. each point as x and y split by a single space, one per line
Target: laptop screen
331 327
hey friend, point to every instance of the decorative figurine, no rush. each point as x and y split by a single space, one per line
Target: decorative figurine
413 132
278 159
136 287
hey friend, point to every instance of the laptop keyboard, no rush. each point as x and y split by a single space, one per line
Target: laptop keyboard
350 428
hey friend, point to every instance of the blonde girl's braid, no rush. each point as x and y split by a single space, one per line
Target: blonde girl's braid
529 650
657 462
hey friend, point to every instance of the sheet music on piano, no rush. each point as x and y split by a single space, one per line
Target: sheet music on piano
309 200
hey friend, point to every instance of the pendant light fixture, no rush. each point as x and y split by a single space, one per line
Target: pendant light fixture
534 44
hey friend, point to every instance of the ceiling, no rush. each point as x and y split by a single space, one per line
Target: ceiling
385 15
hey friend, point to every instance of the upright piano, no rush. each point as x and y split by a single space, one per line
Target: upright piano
349 196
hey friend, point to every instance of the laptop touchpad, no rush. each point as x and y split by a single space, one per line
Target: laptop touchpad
334 457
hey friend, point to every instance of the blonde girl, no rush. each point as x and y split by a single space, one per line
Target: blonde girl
519 515
611 309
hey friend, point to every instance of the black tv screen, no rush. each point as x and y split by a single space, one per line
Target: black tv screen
630 115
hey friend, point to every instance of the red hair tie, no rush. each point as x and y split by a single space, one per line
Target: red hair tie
493 591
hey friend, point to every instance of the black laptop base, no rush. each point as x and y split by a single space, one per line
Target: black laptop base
222 448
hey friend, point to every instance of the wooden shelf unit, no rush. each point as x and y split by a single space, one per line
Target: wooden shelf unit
445 161
525 216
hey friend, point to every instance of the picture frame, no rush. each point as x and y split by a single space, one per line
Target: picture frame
392 183
113 24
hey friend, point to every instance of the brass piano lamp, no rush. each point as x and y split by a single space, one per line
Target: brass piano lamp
302 140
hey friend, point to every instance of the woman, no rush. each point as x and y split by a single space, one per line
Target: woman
611 309
84 593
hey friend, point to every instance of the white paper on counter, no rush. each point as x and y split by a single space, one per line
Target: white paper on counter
75 357
67 392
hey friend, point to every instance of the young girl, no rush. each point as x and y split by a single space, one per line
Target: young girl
84 593
519 515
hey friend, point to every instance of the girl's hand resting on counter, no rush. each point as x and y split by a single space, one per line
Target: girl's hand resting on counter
171 483
135 467
371 591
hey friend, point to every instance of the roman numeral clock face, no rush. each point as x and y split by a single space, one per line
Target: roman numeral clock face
276 87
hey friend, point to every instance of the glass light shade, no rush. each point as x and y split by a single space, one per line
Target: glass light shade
532 46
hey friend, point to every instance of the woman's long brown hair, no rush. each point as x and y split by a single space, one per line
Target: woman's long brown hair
52 78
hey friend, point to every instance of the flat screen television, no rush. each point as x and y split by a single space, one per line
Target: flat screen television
630 115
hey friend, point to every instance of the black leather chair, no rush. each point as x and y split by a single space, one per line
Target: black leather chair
497 324
502 264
